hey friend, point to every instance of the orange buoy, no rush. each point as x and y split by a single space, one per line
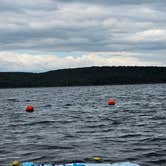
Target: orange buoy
111 102
29 108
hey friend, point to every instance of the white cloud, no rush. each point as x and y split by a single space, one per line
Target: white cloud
10 61
149 35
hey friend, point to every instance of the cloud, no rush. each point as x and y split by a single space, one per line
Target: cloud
52 26
149 35
11 61
80 25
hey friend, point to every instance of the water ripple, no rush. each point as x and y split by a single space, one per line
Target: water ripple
75 124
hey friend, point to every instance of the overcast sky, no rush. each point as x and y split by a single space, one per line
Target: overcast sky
42 35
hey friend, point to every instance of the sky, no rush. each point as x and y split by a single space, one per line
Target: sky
43 35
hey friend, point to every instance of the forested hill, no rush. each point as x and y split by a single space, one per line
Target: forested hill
84 76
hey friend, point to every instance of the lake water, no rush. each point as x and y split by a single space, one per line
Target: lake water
76 124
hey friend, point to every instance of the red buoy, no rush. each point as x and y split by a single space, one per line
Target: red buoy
111 102
29 108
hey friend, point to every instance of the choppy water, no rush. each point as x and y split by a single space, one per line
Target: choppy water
76 124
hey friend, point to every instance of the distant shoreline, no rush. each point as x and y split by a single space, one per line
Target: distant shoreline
87 76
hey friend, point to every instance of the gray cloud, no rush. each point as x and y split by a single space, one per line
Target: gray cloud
113 2
87 26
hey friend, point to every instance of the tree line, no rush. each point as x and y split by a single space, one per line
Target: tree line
84 76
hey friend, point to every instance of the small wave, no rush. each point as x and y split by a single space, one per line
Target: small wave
131 135
157 139
41 122
96 126
53 147
31 123
48 106
66 105
13 100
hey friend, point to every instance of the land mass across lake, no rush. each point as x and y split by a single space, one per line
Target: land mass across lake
85 76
